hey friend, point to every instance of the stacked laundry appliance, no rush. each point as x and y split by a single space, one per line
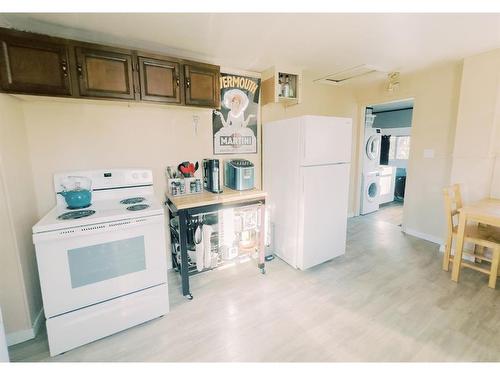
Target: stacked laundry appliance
370 193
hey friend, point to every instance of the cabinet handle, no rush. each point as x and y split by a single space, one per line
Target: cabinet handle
79 70
188 83
64 67
178 81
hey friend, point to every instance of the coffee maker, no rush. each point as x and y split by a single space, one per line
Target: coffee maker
211 175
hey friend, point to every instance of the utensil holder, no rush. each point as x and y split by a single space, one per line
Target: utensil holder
184 186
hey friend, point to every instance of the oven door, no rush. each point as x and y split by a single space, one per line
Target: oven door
83 266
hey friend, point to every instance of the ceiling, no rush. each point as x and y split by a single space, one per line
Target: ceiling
324 43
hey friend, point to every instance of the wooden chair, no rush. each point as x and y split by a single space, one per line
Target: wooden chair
481 236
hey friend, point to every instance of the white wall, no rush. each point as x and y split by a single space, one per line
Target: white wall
20 295
435 91
4 354
67 134
477 141
12 297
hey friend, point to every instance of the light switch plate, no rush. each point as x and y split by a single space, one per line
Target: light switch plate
196 118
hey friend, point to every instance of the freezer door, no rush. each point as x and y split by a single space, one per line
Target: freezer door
325 140
325 199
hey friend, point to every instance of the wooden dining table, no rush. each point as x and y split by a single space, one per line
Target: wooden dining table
485 211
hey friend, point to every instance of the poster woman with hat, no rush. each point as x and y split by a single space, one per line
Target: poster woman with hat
236 101
235 124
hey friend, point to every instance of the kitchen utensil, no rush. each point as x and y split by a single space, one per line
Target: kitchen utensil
193 168
206 234
200 247
77 191
187 169
184 169
169 172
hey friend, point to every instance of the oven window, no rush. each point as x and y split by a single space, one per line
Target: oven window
92 264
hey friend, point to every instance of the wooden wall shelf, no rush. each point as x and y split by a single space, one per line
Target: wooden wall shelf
273 81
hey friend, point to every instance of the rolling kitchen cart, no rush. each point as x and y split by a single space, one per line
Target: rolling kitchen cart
188 210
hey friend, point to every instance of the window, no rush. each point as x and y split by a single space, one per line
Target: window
403 148
399 148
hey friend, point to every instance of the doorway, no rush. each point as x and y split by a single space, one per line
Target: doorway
385 155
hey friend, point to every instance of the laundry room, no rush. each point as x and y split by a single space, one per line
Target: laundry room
385 160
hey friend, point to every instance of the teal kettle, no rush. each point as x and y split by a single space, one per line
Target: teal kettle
77 191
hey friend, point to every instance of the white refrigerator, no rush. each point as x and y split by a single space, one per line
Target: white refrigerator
306 164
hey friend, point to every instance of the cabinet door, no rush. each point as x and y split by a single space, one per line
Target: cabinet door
160 80
202 85
105 74
34 67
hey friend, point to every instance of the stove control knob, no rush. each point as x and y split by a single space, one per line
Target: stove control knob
135 175
145 175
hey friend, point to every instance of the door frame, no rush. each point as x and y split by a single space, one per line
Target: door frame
361 148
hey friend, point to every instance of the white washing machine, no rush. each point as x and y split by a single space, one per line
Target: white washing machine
371 153
371 192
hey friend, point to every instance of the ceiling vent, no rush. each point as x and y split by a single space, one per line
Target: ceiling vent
347 75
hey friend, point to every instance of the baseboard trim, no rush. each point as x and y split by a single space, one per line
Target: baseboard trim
424 236
40 318
27 334
20 336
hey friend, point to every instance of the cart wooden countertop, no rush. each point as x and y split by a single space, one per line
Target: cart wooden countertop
207 198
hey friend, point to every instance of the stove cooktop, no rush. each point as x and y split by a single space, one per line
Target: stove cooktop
137 207
133 200
72 215
105 210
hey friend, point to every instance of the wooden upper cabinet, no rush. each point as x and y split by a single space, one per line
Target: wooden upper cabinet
34 66
160 80
104 73
44 65
202 87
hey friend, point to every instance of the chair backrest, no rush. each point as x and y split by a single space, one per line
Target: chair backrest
452 203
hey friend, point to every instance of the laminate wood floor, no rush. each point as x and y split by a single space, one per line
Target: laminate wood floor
387 299
389 212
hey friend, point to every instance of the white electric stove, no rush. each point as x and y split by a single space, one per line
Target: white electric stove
102 268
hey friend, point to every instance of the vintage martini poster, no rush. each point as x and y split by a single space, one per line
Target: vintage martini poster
235 124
